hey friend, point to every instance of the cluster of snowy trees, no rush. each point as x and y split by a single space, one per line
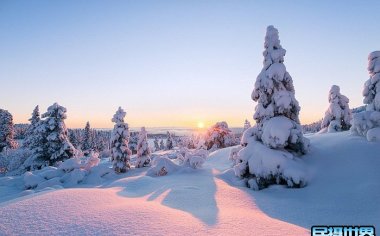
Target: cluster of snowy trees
6 130
88 139
48 138
271 147
120 152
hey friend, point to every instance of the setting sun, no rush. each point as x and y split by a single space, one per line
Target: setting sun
200 125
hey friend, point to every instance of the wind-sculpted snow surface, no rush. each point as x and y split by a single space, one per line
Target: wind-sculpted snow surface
70 173
206 201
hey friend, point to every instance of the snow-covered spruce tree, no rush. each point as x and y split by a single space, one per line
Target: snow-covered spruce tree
371 90
219 136
143 150
120 153
87 140
169 141
247 125
133 140
162 145
34 120
267 157
156 145
6 130
58 146
338 115
367 123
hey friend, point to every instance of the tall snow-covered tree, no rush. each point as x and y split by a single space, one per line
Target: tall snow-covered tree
277 125
367 123
275 95
219 136
87 138
34 121
162 145
58 146
156 145
169 141
120 153
247 125
371 91
6 130
143 150
338 115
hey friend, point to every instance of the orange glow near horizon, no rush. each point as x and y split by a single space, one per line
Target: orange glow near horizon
161 120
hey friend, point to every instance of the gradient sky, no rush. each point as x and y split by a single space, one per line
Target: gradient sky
175 63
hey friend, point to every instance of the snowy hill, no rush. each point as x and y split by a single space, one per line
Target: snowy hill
344 188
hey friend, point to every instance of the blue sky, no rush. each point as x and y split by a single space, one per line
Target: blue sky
177 63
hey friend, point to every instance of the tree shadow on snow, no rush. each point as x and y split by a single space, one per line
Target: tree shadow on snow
190 192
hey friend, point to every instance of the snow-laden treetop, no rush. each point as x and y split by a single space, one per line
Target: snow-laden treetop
374 62
119 116
273 53
274 89
56 111
371 90
142 134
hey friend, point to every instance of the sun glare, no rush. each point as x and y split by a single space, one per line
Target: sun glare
200 125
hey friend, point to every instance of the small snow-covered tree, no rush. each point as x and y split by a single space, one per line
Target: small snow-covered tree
247 125
338 115
58 146
87 140
369 120
162 145
6 130
133 140
156 145
120 153
169 141
34 121
143 150
219 136
267 157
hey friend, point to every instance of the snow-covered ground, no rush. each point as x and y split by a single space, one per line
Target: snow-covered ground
344 188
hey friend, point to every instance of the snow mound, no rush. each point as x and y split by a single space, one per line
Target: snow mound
193 158
70 164
161 166
268 166
373 135
69 173
364 121
276 131
334 126
31 180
